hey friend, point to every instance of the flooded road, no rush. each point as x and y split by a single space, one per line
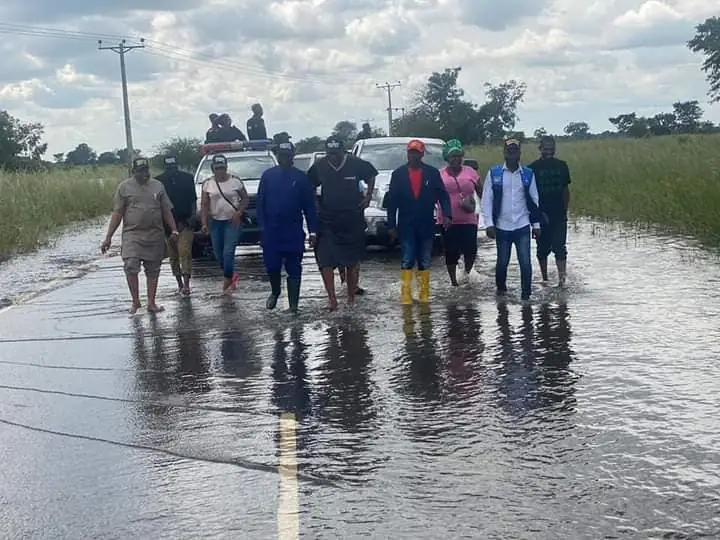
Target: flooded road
591 414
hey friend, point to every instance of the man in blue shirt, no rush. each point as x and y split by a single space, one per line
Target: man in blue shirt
284 196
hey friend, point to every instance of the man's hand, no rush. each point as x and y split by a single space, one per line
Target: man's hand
536 233
312 240
491 232
392 235
365 202
105 246
204 229
174 236
447 222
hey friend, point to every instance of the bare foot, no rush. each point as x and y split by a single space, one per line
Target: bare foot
332 305
185 291
154 308
133 309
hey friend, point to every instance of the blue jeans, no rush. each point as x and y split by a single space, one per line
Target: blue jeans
504 242
224 237
415 250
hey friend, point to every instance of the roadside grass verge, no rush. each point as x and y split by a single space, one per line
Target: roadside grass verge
671 182
34 206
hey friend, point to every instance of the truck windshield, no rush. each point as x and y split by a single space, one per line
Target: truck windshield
388 157
244 167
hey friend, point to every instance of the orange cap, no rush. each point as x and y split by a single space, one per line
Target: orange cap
416 145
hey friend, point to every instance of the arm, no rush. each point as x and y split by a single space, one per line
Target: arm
308 207
566 192
205 207
369 176
260 210
486 202
443 198
116 217
244 199
314 180
478 184
535 197
392 202
167 208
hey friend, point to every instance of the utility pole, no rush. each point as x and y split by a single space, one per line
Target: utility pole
389 88
401 109
122 49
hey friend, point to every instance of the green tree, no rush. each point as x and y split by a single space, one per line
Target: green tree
577 130
345 130
82 155
108 158
540 132
688 115
499 112
707 42
186 150
310 144
20 142
662 124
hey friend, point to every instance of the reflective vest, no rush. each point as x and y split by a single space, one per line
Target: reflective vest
496 178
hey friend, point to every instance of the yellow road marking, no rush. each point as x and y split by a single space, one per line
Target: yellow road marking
288 506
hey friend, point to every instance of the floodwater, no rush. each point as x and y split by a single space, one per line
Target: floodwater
592 413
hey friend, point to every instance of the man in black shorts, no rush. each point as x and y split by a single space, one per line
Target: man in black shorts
552 176
341 220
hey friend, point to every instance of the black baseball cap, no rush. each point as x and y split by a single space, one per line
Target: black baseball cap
219 160
334 144
140 163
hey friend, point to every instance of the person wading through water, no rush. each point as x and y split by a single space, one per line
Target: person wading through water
510 209
284 196
143 206
415 189
180 187
223 203
462 184
256 124
553 183
341 222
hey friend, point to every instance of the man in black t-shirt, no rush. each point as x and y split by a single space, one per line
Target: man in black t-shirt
341 219
552 176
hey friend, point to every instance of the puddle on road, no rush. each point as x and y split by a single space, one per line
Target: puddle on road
590 414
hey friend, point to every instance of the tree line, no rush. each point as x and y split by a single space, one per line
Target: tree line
439 109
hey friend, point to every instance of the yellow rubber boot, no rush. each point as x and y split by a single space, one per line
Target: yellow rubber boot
423 280
406 298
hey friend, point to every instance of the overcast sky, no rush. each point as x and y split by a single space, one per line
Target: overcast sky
314 62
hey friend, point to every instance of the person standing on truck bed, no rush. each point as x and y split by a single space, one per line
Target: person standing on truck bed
223 203
284 196
228 132
341 221
143 206
553 182
213 134
180 187
256 124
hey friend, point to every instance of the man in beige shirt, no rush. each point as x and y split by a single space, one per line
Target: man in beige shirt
142 205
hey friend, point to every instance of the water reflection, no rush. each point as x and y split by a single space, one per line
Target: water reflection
237 346
291 390
554 356
344 391
464 347
420 358
193 366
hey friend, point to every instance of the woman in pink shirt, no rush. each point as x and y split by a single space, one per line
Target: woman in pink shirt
462 184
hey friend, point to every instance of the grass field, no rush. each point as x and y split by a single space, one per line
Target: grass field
33 206
671 181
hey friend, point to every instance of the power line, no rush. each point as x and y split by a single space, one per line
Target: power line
389 87
122 49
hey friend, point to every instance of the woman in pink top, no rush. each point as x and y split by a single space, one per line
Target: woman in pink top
462 184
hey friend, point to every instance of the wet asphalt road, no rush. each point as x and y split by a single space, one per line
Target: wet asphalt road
591 414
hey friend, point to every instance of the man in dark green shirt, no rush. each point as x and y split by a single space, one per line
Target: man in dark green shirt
552 176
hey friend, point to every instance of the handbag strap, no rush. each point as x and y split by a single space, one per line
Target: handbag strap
223 194
456 182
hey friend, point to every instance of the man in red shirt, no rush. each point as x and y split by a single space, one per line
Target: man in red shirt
415 189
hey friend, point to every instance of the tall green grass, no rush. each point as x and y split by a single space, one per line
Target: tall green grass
671 182
35 205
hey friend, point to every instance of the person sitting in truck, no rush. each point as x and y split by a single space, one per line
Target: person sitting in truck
212 134
229 132
256 124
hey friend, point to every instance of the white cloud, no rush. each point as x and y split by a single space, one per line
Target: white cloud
315 62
